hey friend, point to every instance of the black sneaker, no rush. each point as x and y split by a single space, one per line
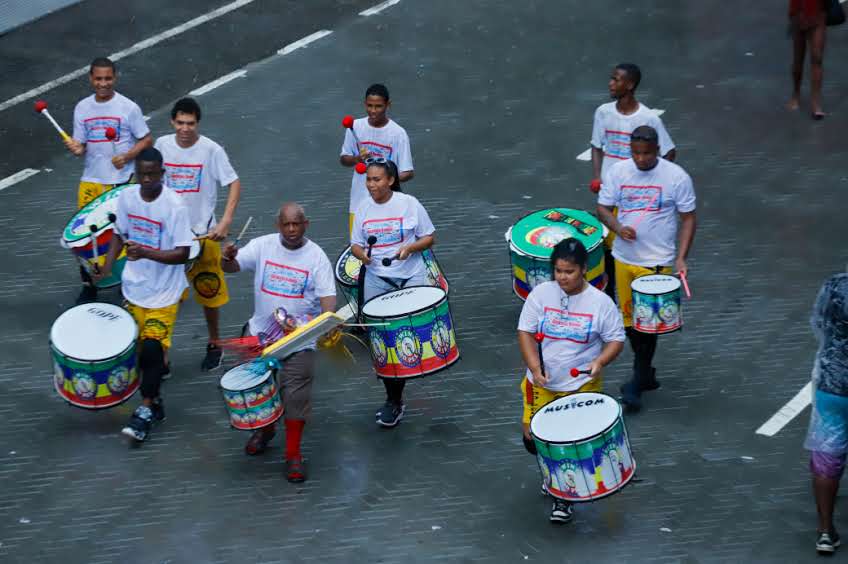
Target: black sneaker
651 383
562 511
390 414
166 373
827 543
88 294
214 356
140 424
158 409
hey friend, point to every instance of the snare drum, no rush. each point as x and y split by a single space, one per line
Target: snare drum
93 348
77 235
413 333
657 307
532 238
251 395
582 447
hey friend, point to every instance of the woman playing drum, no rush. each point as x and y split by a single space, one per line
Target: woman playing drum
390 232
568 331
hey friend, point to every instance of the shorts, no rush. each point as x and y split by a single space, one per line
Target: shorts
624 275
536 397
350 218
295 381
154 323
206 277
827 436
88 191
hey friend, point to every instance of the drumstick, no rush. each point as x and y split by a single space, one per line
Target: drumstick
360 282
682 275
347 123
645 211
243 229
539 338
41 108
388 261
94 250
111 135
575 372
360 168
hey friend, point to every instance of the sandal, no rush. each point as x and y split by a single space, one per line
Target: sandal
295 472
259 440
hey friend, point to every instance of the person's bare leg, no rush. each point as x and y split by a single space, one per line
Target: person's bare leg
825 490
817 41
799 51
212 321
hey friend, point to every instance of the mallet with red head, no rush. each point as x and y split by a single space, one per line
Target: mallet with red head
41 108
111 135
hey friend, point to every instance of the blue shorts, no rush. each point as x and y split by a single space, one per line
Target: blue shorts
827 436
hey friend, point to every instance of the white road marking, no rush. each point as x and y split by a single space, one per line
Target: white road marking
787 413
218 82
18 177
587 154
141 45
304 41
378 8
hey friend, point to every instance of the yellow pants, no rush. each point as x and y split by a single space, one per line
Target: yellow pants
536 397
207 278
624 275
610 238
156 323
90 190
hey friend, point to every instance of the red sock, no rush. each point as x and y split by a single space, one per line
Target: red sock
294 430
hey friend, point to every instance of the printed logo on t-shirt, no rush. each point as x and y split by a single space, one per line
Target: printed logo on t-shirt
95 128
567 325
146 232
635 198
183 177
388 231
284 281
617 145
377 149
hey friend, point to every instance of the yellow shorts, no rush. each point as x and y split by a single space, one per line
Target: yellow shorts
350 218
156 323
90 190
624 275
207 278
536 397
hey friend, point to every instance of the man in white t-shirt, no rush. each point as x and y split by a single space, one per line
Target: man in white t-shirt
108 163
153 224
565 324
194 168
651 195
293 273
374 136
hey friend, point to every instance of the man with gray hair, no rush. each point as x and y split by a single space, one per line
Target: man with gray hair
294 274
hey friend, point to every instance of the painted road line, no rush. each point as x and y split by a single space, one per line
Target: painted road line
587 154
140 46
787 413
378 8
218 82
18 177
304 41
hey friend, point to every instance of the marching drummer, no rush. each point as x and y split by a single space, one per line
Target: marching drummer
374 136
108 162
154 225
194 168
293 273
651 194
567 326
400 230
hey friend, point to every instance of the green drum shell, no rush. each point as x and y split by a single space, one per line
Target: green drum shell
91 367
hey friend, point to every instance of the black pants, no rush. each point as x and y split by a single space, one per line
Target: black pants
151 365
644 347
394 389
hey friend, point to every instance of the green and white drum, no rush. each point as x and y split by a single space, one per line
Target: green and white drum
532 238
77 235
657 307
582 447
93 348
251 395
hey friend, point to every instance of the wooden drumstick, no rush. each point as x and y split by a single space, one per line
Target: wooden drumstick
243 229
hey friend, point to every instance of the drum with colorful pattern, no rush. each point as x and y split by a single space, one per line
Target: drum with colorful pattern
93 348
657 306
582 447
251 395
412 333
532 238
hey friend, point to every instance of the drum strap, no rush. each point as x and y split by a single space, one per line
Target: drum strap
391 282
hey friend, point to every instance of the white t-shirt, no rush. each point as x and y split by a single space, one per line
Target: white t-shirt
611 132
575 328
390 142
161 224
91 119
195 173
397 223
294 280
664 191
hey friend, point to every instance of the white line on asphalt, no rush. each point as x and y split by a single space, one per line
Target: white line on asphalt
787 413
218 82
378 8
303 42
141 45
18 177
587 154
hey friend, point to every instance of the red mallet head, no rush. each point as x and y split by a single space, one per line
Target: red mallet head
360 168
111 134
575 373
347 122
40 106
539 337
595 186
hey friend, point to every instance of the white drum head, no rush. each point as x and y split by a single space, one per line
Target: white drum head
402 302
575 418
94 331
243 377
655 284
